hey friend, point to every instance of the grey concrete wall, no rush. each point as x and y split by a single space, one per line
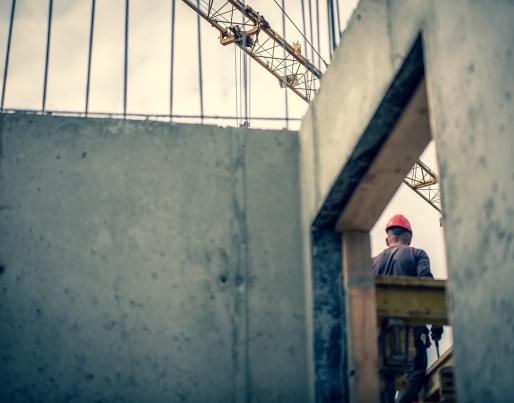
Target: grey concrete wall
147 262
470 78
471 66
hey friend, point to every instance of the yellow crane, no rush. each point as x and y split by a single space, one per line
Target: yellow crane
244 27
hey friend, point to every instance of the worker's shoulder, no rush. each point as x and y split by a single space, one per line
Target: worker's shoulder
382 254
412 250
376 256
375 259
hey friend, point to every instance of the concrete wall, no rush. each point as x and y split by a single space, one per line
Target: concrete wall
147 262
469 66
473 119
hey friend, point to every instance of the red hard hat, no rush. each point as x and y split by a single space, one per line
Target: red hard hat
399 221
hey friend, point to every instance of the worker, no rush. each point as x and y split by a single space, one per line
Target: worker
400 259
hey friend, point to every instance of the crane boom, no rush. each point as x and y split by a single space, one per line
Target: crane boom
244 27
239 24
425 183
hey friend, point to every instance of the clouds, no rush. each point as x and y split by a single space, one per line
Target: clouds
149 59
149 75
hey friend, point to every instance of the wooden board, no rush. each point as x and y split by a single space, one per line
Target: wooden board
417 301
361 319
403 147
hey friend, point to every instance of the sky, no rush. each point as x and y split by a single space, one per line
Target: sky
149 58
149 76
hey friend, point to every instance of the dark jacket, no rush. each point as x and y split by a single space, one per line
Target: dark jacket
405 261
402 261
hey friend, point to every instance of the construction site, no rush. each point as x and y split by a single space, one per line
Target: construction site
260 201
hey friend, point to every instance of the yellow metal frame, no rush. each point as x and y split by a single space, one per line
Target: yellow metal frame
418 301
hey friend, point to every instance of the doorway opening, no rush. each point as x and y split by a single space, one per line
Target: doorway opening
347 297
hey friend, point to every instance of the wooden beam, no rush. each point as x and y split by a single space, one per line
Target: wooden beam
416 300
361 318
432 389
409 138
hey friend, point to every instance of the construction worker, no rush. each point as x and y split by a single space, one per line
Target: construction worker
400 259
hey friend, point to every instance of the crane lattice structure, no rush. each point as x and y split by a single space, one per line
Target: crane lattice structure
244 27
239 24
425 183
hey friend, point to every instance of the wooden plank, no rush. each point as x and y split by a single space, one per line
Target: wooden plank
361 319
418 301
432 389
408 281
403 147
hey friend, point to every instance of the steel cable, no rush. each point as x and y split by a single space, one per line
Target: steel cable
7 54
285 69
172 56
245 81
331 27
125 66
200 73
308 86
338 19
140 116
245 77
90 53
236 85
249 90
329 31
244 68
300 32
311 30
318 34
304 29
47 55
241 88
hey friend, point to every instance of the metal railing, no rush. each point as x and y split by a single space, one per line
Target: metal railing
90 21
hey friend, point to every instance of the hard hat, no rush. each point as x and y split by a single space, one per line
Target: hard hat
399 221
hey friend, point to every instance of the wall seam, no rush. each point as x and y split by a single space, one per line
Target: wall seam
239 317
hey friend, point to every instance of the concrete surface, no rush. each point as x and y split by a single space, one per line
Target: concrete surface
473 115
147 262
469 68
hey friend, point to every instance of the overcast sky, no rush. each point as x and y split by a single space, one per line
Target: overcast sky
149 58
149 76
